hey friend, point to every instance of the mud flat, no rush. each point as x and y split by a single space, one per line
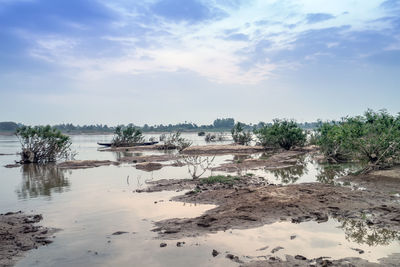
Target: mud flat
150 158
222 149
243 205
301 261
85 164
18 234
282 159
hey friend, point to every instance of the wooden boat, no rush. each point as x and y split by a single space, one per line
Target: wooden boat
137 144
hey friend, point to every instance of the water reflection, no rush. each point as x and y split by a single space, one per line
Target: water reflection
291 174
361 233
41 180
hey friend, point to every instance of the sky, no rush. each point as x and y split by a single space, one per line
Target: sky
151 61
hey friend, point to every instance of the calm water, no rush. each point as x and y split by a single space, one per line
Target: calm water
89 205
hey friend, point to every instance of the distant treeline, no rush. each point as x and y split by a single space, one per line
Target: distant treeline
225 124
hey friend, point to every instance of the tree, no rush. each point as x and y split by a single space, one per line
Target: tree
128 136
227 123
239 135
282 133
43 144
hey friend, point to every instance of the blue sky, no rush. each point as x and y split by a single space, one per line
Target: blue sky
97 61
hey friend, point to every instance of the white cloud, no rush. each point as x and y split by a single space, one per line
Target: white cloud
201 48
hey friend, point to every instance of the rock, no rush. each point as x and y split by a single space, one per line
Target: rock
162 245
299 257
233 258
360 251
180 244
292 237
214 253
263 248
119 233
276 249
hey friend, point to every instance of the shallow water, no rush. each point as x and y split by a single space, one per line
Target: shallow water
89 205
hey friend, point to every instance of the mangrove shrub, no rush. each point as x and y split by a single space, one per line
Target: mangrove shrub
282 133
373 138
43 144
240 136
128 136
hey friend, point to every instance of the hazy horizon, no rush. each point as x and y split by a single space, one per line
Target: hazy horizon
161 62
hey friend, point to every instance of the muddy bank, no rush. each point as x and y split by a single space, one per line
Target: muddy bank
242 206
85 164
383 181
134 148
301 261
150 158
18 233
222 149
282 159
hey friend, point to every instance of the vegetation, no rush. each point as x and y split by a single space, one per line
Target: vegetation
128 136
197 165
239 135
8 126
224 124
282 133
43 144
220 179
175 140
212 137
373 138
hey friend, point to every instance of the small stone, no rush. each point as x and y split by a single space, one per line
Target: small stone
119 233
162 245
299 257
292 237
214 253
180 244
276 249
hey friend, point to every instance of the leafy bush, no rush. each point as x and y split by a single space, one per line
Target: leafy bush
175 140
373 138
43 144
240 136
282 133
128 136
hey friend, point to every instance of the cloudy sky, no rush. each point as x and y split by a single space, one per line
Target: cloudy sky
151 61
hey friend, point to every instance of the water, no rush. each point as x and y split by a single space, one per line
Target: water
89 205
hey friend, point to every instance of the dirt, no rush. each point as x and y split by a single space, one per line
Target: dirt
134 148
302 261
222 149
18 234
85 164
15 165
247 205
149 166
282 159
150 158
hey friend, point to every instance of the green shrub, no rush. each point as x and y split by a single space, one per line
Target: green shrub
43 144
240 136
221 179
282 133
127 136
373 138
176 141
